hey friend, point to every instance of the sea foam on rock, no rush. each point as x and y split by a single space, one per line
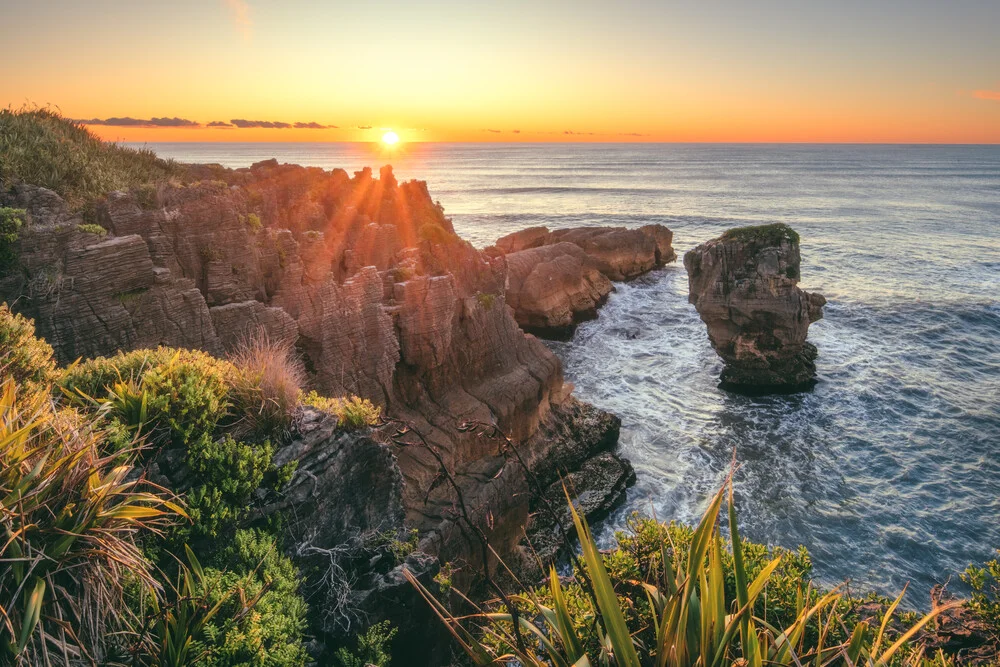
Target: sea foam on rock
744 286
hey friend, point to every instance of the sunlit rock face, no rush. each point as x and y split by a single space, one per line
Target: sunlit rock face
744 285
560 278
368 279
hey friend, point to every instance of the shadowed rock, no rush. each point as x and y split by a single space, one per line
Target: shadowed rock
744 286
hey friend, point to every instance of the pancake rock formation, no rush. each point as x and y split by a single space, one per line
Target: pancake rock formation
557 279
744 286
367 278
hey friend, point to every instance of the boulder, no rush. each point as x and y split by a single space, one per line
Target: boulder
552 288
559 278
620 253
744 286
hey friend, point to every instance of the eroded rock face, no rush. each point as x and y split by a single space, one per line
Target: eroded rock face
559 278
744 285
368 278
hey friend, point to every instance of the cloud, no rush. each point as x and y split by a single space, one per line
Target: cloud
139 122
219 123
495 131
364 127
277 125
314 126
578 133
632 134
239 11
516 131
987 95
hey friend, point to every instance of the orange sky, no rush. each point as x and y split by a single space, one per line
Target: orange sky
887 71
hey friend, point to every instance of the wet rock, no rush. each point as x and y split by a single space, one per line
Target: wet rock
595 489
744 286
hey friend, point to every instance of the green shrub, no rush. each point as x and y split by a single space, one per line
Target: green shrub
486 299
227 473
90 228
11 221
69 545
41 147
435 234
23 357
768 235
253 223
351 412
372 649
694 607
271 633
985 584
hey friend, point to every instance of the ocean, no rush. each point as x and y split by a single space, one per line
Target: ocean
889 470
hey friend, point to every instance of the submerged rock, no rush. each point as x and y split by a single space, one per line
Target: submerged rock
560 278
744 285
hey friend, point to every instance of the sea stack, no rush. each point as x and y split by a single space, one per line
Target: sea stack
744 285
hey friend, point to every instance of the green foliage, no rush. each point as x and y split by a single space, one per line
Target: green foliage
269 634
372 649
435 234
228 472
399 548
91 228
27 360
351 412
767 235
985 584
252 222
444 577
69 520
40 147
486 299
696 607
11 221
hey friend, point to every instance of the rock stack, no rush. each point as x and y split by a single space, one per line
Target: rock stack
744 285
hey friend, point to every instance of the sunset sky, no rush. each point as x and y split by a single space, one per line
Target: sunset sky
725 70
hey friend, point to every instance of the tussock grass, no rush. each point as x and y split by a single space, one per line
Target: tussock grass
41 147
267 383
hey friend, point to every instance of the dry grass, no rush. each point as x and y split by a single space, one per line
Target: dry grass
268 382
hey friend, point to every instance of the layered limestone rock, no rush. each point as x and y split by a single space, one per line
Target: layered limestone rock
744 285
366 275
560 278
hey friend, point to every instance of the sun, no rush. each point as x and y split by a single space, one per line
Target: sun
390 138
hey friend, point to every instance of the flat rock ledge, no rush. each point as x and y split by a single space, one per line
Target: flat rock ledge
744 286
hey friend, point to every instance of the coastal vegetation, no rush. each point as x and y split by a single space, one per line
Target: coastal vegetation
107 566
41 147
773 234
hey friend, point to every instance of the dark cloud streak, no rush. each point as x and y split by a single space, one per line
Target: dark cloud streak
139 122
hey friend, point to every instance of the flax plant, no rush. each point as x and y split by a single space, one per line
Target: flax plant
695 623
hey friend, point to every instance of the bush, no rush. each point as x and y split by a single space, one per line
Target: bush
351 412
27 360
271 634
41 147
985 584
187 391
11 221
227 473
372 649
90 228
682 611
69 545
266 385
767 235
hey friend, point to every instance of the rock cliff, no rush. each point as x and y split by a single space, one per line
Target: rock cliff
366 275
744 285
560 278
